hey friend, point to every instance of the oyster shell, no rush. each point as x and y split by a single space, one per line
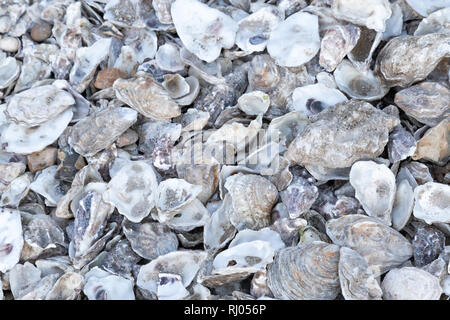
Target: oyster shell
305 272
314 98
434 145
9 70
336 43
401 145
299 197
134 13
132 190
427 102
100 129
334 125
375 188
254 103
11 239
381 246
426 8
356 279
407 59
254 30
410 283
372 14
102 285
150 240
359 84
403 204
147 97
168 57
67 287
203 30
253 198
295 40
432 202
437 22
186 264
25 140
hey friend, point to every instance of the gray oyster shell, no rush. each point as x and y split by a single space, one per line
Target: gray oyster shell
407 59
382 247
330 130
100 129
305 272
356 279
410 283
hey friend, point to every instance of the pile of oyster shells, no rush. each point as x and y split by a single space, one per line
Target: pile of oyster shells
234 149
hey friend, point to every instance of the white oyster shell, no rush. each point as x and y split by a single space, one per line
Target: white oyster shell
102 285
403 205
357 83
38 105
203 30
170 287
175 85
11 239
295 41
425 8
312 99
25 140
254 30
432 202
410 283
248 257
394 24
254 103
183 263
132 190
375 188
168 58
264 234
9 71
371 13
438 21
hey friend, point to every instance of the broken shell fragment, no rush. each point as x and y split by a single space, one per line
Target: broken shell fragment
435 144
375 188
102 285
403 204
432 202
295 40
410 283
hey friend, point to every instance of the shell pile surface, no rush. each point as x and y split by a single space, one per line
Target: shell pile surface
231 149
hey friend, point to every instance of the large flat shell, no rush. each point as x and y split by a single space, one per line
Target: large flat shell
11 239
432 202
381 246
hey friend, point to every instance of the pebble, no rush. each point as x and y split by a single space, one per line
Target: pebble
41 32
41 160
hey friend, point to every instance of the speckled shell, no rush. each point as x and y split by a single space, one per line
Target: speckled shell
305 272
381 246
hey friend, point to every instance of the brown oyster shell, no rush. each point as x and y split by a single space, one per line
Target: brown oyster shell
306 272
147 97
381 246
